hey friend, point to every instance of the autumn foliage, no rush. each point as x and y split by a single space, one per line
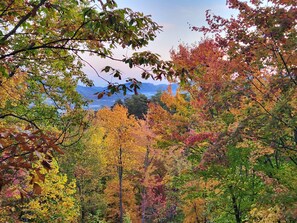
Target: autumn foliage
222 149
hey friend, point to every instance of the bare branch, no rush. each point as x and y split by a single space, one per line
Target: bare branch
92 68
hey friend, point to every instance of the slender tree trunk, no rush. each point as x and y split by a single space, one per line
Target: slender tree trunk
81 197
235 206
196 214
144 191
120 172
143 205
236 210
253 185
276 157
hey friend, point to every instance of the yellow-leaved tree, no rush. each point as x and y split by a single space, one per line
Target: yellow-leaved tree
125 153
56 202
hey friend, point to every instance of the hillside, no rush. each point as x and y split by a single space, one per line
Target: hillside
147 89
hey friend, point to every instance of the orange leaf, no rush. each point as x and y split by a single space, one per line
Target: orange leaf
99 96
36 188
40 175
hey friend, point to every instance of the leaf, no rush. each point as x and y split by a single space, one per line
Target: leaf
100 95
106 69
40 175
117 74
130 63
37 188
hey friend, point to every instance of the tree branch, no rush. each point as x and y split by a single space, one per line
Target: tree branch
286 67
92 68
47 46
19 117
8 6
23 19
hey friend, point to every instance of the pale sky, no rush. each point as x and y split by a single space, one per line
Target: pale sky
175 17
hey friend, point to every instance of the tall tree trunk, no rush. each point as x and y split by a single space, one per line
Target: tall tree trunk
196 214
143 205
81 197
120 172
235 206
144 191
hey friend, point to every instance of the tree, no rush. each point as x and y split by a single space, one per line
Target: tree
137 105
125 155
41 46
118 102
242 85
86 163
156 99
51 198
56 202
170 127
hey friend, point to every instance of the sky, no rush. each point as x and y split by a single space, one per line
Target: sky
175 16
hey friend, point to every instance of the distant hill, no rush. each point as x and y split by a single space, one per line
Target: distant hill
147 89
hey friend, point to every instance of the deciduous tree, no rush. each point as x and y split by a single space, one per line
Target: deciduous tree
125 158
41 47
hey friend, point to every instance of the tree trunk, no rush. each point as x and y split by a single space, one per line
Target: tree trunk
235 206
120 172
81 197
144 191
196 214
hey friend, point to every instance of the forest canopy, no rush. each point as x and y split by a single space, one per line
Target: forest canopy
222 149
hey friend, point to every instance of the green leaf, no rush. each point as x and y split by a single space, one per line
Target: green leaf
4 72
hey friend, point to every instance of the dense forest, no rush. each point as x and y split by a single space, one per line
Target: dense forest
222 149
